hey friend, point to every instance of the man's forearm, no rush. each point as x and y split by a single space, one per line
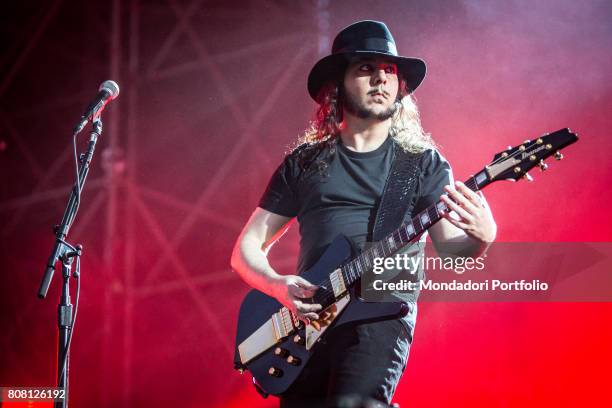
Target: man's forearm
462 246
251 263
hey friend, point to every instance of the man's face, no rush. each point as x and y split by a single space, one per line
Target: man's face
371 86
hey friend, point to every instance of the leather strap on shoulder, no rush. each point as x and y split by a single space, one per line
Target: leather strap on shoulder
398 192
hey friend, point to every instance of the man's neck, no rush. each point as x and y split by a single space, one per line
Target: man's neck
364 135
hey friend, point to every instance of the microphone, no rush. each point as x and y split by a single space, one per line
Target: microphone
108 91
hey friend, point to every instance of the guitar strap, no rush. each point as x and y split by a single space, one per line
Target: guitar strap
398 195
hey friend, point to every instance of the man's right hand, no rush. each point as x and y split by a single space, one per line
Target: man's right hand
291 291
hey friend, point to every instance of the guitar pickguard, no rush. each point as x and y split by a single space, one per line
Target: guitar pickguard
313 334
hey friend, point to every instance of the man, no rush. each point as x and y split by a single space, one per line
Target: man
333 184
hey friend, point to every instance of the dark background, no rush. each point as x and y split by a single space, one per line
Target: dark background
212 95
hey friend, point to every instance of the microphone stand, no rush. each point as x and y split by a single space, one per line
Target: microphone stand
66 253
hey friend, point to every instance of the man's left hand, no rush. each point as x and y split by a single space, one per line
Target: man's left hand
470 212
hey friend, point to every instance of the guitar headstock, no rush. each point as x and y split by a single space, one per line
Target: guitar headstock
514 163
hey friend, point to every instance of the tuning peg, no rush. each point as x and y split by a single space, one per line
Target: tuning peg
528 177
527 141
558 155
543 166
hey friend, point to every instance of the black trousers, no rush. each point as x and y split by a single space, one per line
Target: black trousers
365 360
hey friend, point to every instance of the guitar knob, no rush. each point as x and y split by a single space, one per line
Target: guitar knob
543 166
294 360
281 352
528 177
558 156
275 372
298 340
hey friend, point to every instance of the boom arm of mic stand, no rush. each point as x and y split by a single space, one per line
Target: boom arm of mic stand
61 230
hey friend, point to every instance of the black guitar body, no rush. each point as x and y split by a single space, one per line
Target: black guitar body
257 308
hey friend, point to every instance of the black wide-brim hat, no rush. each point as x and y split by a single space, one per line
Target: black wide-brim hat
363 38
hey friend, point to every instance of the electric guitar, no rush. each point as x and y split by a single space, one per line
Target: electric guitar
275 346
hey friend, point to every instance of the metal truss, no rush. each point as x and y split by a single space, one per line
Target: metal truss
125 204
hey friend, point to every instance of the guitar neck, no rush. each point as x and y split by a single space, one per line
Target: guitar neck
406 234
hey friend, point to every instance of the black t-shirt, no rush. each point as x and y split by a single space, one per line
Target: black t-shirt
343 198
339 193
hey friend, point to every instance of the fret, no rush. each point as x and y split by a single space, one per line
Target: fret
441 207
385 251
347 279
345 274
404 234
367 260
410 229
390 243
424 218
418 227
376 254
396 237
383 247
370 256
360 267
432 210
479 180
433 213
350 267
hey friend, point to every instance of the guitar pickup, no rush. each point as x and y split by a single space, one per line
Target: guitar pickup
337 283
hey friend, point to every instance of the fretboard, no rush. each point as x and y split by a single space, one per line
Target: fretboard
406 234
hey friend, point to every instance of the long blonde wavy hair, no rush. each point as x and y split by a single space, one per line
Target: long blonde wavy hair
405 128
